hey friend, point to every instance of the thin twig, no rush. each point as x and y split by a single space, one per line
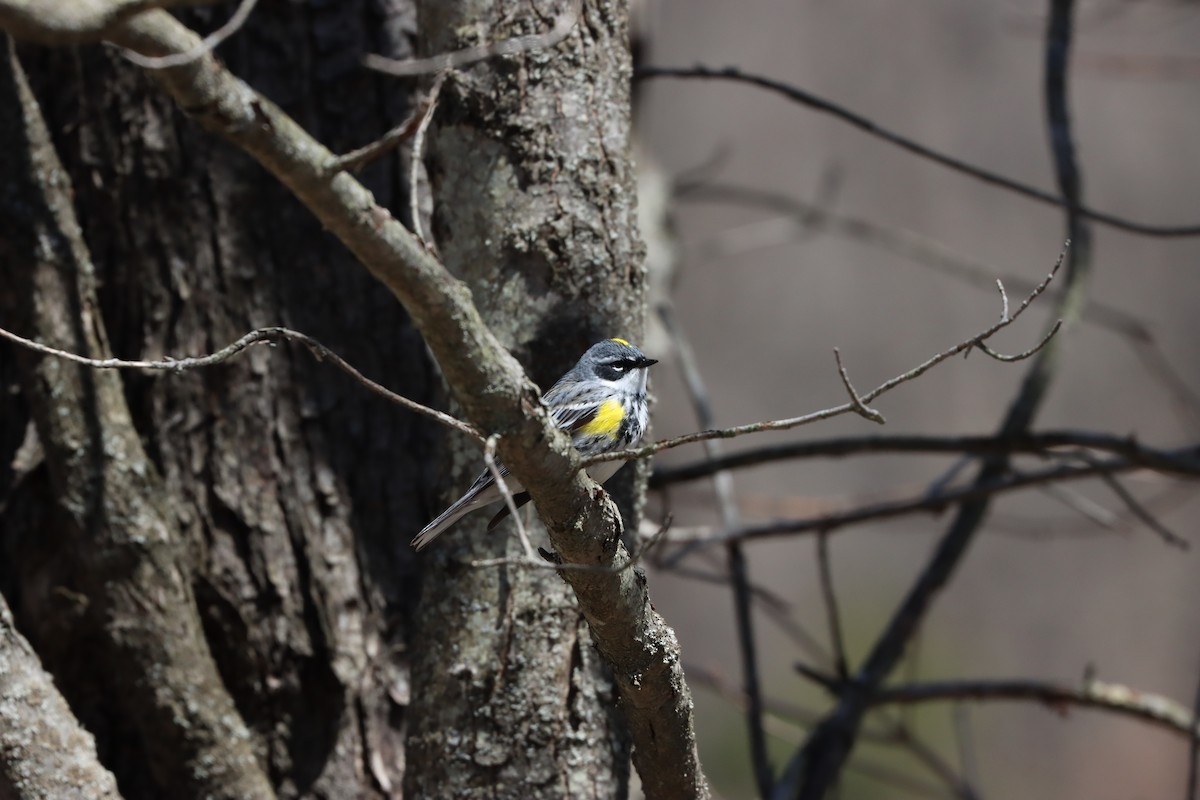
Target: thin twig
927 757
856 403
871 128
1142 513
1085 507
418 156
1003 298
840 664
845 408
550 560
360 157
208 44
1050 334
922 503
964 740
259 336
489 459
564 23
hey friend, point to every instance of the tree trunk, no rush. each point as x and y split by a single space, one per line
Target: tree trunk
291 490
214 564
533 206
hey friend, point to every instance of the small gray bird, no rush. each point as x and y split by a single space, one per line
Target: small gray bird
601 402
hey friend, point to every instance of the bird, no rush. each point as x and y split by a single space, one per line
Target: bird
601 402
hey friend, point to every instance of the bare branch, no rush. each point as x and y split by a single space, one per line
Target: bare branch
207 44
856 403
360 157
418 157
823 756
1112 697
873 129
1184 461
840 664
828 413
259 336
1024 354
929 758
1142 513
554 563
489 459
564 23
924 503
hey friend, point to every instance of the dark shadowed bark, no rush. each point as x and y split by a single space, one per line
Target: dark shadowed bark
289 491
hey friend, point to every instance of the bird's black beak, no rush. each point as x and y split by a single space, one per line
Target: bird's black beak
647 362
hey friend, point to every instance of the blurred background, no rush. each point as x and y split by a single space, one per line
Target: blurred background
1054 587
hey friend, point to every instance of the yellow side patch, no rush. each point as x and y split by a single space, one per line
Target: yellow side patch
607 421
620 341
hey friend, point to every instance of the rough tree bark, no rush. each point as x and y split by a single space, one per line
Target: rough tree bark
292 489
533 198
44 752
269 485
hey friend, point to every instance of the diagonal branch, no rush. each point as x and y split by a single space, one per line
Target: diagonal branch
872 128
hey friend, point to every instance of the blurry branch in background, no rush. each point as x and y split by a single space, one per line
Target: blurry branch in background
1184 462
927 503
739 578
816 766
564 23
788 721
829 596
904 737
800 219
1100 695
870 127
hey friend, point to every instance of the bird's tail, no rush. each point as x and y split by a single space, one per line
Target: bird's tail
443 521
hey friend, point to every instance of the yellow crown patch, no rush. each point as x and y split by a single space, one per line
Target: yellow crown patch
620 341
